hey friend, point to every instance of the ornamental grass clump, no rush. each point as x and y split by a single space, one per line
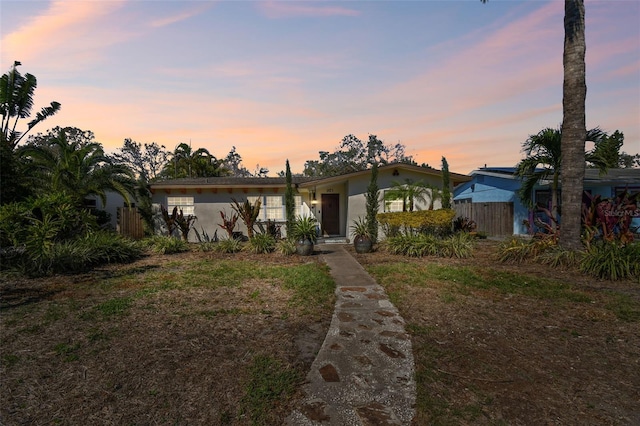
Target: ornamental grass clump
261 243
612 261
166 245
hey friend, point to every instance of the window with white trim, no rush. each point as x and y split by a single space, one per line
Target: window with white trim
182 203
273 207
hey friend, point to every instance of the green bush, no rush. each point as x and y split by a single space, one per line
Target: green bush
75 255
286 247
43 220
612 260
166 245
517 250
261 243
436 222
230 245
459 245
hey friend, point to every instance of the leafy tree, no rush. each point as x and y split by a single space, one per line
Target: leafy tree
146 161
354 155
289 201
409 192
76 168
628 161
372 198
446 191
233 163
16 103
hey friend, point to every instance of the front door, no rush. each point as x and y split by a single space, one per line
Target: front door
330 214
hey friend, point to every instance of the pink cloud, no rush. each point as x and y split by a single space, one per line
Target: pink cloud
63 24
286 9
162 22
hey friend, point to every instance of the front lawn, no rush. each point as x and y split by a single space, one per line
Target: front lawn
189 338
516 344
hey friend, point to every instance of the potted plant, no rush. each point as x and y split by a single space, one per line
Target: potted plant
362 241
304 234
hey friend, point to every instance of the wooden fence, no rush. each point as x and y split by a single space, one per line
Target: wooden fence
494 219
130 223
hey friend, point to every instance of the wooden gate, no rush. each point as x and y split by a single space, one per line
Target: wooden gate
130 223
495 219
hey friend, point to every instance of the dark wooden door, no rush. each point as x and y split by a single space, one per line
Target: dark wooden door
330 214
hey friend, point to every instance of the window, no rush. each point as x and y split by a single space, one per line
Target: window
273 208
182 203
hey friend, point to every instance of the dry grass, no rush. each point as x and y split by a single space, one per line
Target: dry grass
516 344
154 342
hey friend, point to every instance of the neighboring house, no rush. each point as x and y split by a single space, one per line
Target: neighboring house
114 202
490 197
334 201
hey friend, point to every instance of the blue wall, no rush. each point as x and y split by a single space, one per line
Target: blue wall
494 189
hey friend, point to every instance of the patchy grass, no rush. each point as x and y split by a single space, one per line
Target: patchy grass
164 340
508 344
270 382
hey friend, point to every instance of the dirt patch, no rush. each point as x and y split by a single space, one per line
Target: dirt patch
490 357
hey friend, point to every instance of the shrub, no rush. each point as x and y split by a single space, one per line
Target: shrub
261 243
436 222
612 261
459 245
76 255
518 250
230 245
286 247
166 245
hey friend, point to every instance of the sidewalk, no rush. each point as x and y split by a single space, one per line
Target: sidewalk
364 372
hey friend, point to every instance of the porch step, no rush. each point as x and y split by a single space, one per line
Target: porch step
333 240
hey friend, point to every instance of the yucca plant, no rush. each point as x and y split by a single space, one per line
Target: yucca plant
261 243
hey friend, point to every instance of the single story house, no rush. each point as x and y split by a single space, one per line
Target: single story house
334 201
490 198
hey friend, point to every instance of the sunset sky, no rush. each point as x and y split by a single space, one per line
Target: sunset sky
286 79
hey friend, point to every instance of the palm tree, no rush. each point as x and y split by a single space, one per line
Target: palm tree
409 192
76 169
16 102
543 161
574 92
188 163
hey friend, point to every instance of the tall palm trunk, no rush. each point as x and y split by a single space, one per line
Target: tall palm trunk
573 124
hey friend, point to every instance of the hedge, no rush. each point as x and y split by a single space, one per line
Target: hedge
438 222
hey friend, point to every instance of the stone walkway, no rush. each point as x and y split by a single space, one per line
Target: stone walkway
364 372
